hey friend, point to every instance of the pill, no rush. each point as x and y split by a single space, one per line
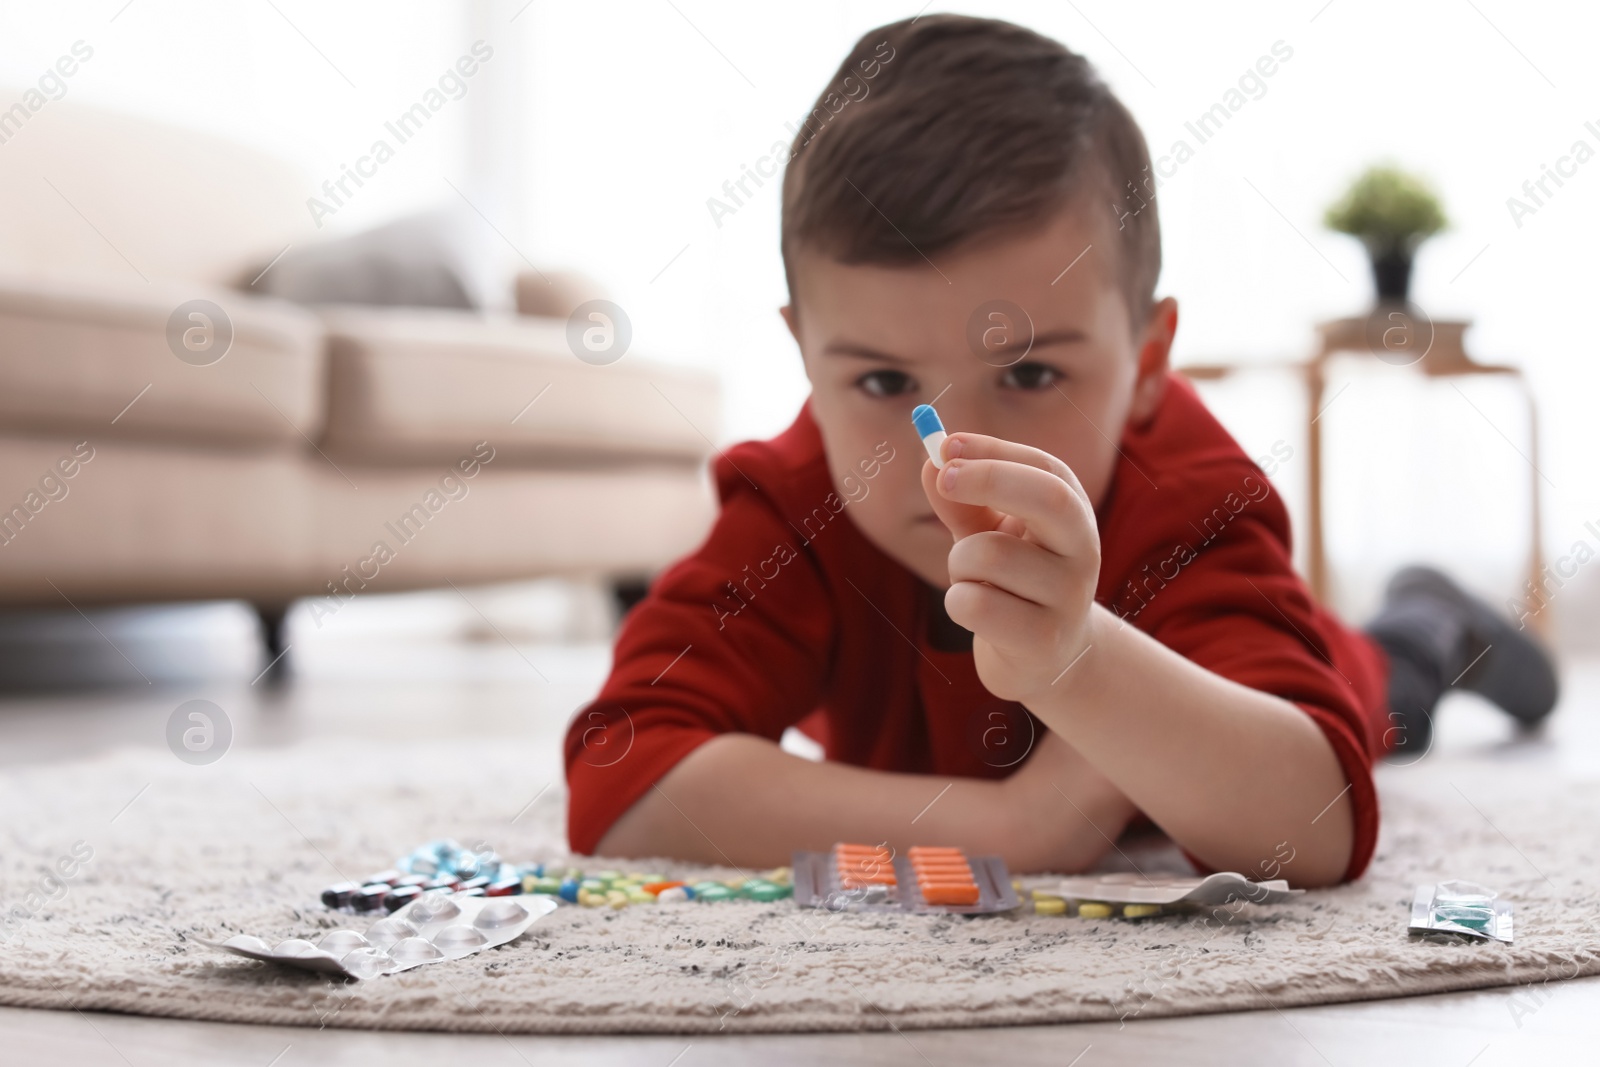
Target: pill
532 870
475 891
369 897
1140 911
1090 909
338 896
1049 906
506 887
1040 894
617 899
590 900
547 886
479 882
940 851
400 896
950 894
568 891
931 430
659 887
712 891
639 896
676 894
764 891
447 881
593 885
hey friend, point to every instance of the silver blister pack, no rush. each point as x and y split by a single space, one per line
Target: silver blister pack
434 928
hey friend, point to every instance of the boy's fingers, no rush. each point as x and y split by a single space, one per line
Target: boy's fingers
1004 620
1054 511
980 446
1021 568
961 519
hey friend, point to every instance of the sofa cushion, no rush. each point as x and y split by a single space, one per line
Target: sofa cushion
95 358
410 386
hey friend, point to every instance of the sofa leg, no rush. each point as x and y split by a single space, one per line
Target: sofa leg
627 592
274 633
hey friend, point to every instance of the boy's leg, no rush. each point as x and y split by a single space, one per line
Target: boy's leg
1437 636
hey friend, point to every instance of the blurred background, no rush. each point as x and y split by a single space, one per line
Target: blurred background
388 318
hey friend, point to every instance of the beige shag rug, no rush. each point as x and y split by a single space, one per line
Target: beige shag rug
245 845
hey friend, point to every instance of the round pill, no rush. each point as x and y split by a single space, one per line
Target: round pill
569 891
673 895
499 913
765 891
656 887
1092 910
1049 906
1140 911
617 899
413 949
1040 894
340 942
458 936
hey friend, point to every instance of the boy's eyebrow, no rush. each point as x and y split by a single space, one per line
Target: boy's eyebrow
860 351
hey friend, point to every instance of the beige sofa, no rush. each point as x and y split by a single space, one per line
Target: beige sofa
276 473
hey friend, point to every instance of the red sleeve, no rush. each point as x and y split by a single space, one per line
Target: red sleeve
1224 595
734 638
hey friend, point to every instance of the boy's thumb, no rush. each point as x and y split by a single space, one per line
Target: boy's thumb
962 520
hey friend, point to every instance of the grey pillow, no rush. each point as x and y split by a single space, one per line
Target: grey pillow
413 262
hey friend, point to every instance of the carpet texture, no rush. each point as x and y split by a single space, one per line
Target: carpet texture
244 846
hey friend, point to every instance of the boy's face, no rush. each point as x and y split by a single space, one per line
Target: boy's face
879 340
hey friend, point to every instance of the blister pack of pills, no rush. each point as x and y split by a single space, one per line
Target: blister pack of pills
925 880
434 928
1161 891
1458 907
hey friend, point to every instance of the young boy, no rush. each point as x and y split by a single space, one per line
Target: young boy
1089 614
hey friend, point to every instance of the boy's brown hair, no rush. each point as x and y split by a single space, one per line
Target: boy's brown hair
941 129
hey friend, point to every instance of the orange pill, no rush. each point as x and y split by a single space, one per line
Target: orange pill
950 894
924 851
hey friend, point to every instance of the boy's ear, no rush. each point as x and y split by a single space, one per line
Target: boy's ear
789 320
1155 350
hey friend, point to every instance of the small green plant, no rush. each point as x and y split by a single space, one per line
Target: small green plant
1389 210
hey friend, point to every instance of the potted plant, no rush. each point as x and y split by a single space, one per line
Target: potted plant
1392 212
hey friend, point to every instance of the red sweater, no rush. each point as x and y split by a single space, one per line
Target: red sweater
788 613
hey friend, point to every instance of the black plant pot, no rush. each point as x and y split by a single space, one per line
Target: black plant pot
1391 271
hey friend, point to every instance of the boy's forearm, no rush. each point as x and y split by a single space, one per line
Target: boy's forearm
1230 773
741 800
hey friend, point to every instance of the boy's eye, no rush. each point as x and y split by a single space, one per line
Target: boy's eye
886 383
1030 376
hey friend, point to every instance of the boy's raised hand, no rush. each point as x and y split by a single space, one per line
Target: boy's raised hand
1025 562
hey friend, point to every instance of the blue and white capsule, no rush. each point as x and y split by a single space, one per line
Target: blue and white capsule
931 430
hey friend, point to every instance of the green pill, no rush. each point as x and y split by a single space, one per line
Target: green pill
764 891
713 891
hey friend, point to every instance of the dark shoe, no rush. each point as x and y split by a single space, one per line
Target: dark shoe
1499 662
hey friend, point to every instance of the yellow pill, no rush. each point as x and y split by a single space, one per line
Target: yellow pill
1091 910
617 899
1016 887
1049 906
639 896
1040 894
1140 911
589 899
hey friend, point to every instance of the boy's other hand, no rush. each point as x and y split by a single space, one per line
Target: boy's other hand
1063 814
1025 562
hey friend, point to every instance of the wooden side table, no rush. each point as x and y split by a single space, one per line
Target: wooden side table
1403 337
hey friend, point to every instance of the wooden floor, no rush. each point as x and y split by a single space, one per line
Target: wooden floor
419 685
